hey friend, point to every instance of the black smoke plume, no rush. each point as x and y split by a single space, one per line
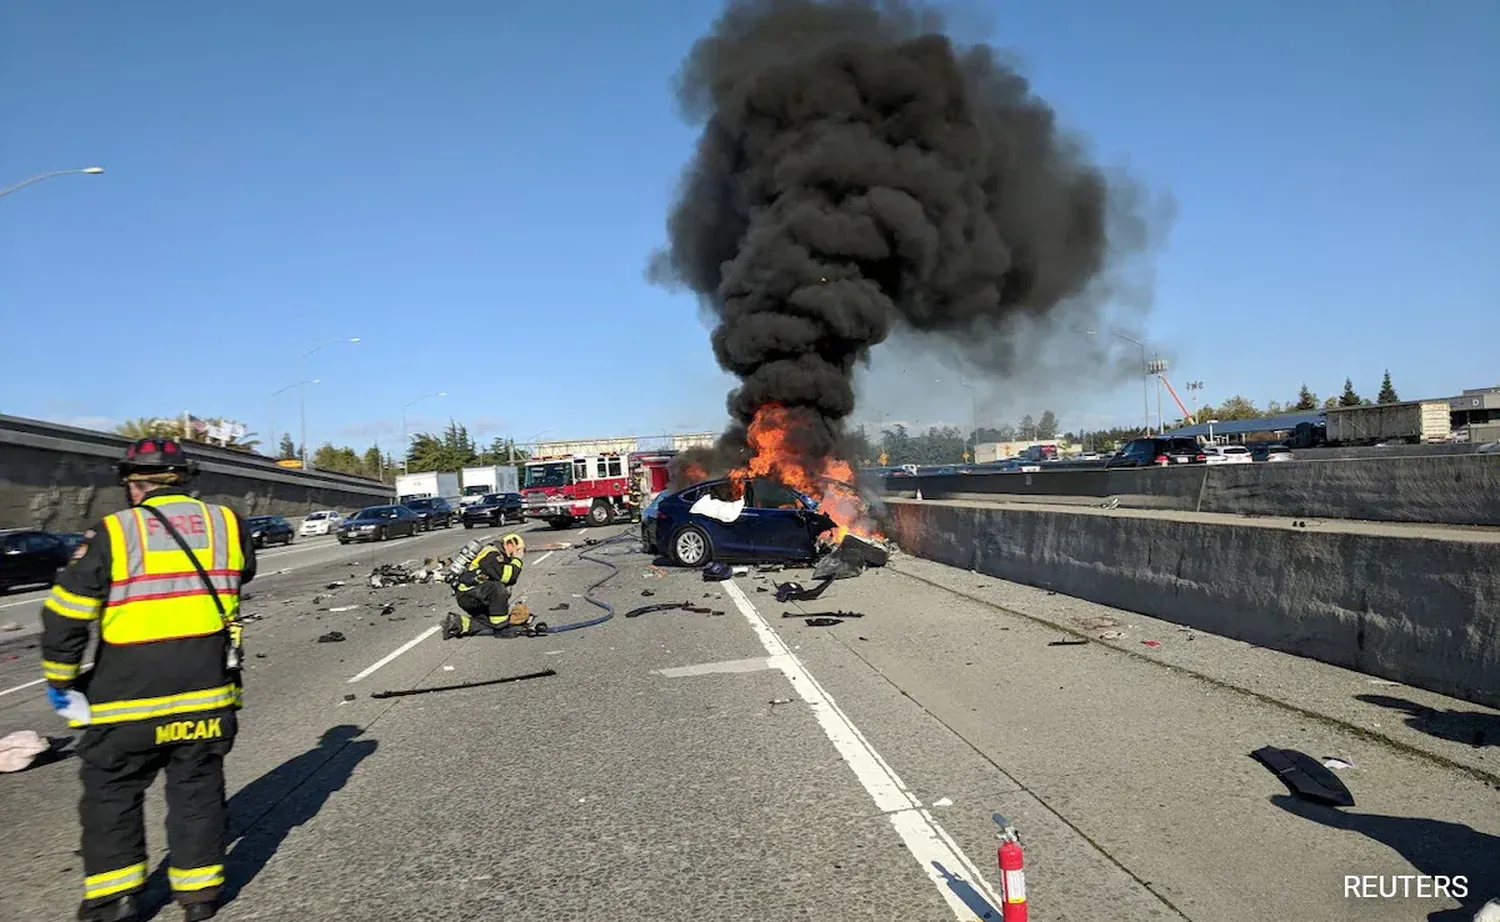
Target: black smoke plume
859 173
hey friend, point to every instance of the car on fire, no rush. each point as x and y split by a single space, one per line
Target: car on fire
766 523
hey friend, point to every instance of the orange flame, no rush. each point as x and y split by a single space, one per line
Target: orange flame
830 481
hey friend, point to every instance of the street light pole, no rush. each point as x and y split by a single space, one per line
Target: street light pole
89 170
404 446
1145 377
272 415
302 391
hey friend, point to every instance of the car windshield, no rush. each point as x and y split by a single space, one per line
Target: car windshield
374 512
552 474
493 498
316 517
261 520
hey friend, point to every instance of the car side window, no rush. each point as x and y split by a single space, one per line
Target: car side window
38 543
768 494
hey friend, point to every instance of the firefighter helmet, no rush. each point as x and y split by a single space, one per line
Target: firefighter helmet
515 539
156 459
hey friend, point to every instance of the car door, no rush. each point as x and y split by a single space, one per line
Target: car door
406 521
778 522
730 539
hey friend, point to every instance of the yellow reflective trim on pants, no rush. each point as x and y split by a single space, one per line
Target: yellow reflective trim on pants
72 605
209 699
196 878
98 886
59 672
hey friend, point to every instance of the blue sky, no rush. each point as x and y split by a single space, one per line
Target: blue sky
473 193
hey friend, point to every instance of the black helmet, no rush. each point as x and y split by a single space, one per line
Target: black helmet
147 457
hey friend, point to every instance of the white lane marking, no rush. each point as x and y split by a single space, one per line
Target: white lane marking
933 848
397 652
542 558
36 601
755 664
37 682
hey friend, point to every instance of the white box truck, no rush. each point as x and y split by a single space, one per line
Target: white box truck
497 478
1411 422
432 483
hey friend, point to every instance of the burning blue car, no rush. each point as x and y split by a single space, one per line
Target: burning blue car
713 521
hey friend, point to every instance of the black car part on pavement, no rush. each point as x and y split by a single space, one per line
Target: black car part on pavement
796 592
1305 776
437 688
822 614
668 606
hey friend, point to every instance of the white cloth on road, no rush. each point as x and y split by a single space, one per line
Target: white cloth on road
19 749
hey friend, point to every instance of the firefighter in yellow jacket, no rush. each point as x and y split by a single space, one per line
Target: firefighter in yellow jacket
483 592
162 582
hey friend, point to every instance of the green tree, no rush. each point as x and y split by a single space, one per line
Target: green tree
1046 427
1237 407
372 464
1274 408
1387 390
287 450
341 459
1306 400
1349 398
1330 402
1026 428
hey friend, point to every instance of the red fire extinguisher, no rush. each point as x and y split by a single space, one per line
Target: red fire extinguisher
1012 872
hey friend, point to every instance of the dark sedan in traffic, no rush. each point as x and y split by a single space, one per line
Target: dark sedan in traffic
266 530
772 524
29 557
377 523
432 512
495 509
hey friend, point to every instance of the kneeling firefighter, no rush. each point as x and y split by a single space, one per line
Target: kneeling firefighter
483 592
161 580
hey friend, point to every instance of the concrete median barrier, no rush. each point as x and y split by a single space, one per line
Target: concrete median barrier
62 479
1420 606
1451 489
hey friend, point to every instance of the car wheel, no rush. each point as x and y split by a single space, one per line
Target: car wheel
468 524
600 514
343 540
691 547
380 534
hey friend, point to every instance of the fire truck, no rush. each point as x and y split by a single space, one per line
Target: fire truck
564 490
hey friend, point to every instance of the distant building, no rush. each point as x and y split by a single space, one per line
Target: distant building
1238 430
986 452
1476 413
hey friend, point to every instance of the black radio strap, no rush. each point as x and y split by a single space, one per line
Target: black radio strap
182 543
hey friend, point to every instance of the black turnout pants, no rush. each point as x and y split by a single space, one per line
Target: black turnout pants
488 605
119 762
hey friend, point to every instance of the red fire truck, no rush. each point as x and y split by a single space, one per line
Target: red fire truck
597 488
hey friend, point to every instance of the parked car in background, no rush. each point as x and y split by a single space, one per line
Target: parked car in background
29 557
322 522
71 539
1159 451
774 524
377 523
1228 454
266 530
432 512
1271 453
495 509
1489 448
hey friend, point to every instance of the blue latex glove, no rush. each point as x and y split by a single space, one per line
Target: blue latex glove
57 697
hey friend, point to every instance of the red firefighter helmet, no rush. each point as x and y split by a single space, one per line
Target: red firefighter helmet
156 458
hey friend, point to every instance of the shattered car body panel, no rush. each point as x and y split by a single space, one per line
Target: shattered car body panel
773 524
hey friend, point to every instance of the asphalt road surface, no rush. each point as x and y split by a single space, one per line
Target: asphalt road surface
744 766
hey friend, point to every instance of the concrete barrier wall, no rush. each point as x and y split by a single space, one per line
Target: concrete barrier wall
63 479
1451 489
1414 610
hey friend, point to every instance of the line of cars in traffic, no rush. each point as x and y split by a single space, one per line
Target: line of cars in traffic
395 520
1147 451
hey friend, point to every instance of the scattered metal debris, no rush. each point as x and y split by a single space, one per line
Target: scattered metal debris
822 614
560 606
776 701
823 622
331 637
1335 762
647 593
1113 635
668 606
1066 643
335 584
437 688
344 608
1305 776
716 572
1111 503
